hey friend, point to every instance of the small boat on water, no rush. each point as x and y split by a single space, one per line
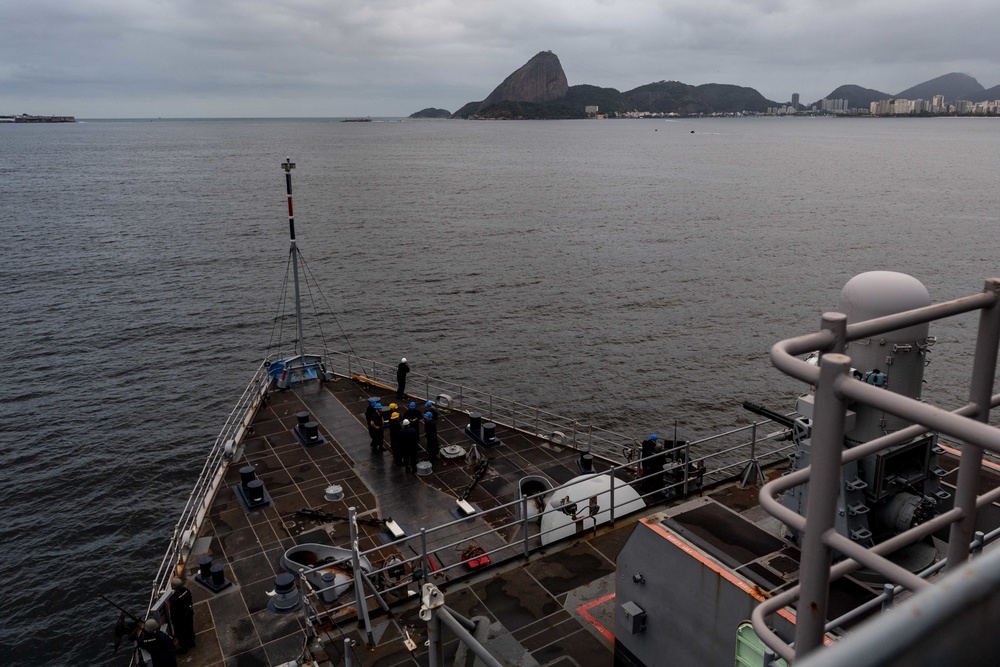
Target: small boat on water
540 540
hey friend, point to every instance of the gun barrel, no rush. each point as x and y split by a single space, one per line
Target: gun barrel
770 414
119 608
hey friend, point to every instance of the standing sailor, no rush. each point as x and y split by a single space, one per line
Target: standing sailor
394 429
375 429
181 609
414 415
401 370
652 465
409 444
431 435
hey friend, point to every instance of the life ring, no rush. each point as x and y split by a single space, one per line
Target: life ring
443 401
557 438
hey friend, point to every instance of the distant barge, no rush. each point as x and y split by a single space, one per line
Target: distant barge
24 118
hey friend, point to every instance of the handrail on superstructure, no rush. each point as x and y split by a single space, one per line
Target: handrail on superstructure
834 387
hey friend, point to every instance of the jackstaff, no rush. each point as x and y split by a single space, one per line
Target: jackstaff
288 165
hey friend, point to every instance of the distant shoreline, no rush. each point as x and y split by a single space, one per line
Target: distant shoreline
25 118
383 119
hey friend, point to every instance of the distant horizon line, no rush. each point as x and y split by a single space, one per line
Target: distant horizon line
143 119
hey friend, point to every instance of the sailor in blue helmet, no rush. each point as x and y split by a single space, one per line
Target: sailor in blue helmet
414 415
876 377
401 370
431 435
375 430
649 445
370 408
652 464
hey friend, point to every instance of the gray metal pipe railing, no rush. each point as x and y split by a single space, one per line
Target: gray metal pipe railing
513 547
834 386
466 637
885 599
824 490
984 364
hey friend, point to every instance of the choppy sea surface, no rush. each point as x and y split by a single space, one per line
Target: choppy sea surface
625 273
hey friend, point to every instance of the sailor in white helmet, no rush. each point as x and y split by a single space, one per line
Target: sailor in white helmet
401 372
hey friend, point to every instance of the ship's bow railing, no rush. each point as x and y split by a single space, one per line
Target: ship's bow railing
835 387
211 476
559 429
729 448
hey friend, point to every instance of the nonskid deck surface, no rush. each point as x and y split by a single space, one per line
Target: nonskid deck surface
555 609
558 607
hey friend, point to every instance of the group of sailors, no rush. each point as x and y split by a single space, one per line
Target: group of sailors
404 431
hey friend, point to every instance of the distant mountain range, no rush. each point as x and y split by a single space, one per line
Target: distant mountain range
539 89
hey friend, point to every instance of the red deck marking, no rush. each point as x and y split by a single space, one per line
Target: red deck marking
583 610
957 453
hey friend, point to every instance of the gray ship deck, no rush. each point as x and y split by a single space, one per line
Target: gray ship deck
558 606
555 608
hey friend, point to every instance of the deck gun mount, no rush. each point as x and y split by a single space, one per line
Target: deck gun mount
885 493
798 428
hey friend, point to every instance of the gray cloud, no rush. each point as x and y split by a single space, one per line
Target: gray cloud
121 58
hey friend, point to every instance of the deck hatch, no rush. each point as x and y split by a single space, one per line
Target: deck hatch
724 534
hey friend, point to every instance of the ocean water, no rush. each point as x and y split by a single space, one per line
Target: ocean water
626 273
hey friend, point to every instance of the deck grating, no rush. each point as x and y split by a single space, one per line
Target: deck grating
235 627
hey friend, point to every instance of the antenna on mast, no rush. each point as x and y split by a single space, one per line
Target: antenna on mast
288 165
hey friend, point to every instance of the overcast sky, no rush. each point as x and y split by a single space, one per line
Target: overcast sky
255 58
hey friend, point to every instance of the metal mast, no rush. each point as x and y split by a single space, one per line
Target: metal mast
288 165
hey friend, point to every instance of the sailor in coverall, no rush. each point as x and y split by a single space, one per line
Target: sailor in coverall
394 445
431 434
401 372
157 644
409 444
375 428
181 608
413 414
